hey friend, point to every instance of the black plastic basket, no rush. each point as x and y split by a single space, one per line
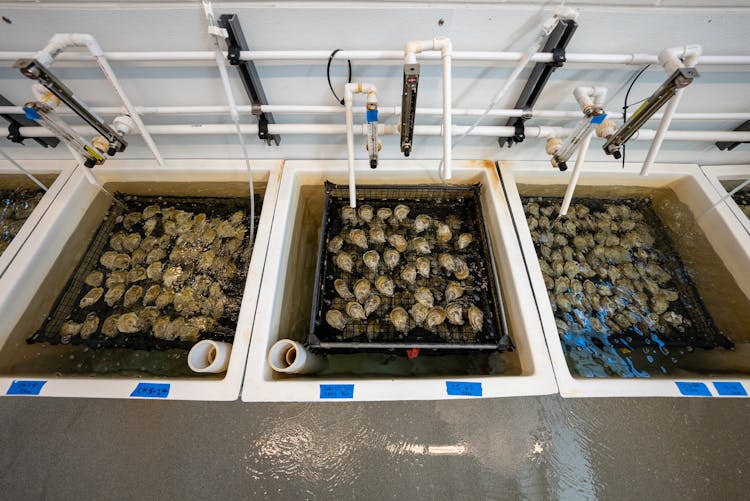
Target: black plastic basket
702 332
66 306
377 333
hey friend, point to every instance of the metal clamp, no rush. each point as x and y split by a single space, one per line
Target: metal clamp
520 132
14 133
558 57
728 145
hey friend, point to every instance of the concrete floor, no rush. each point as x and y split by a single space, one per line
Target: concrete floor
534 448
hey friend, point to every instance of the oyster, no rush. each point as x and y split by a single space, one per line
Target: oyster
398 242
225 230
137 274
131 242
448 262
476 318
89 326
453 291
345 262
334 244
151 294
401 211
453 222
462 270
358 238
336 319
155 270
132 295
131 220
173 275
94 279
420 245
91 297
384 213
109 326
342 289
424 296
409 274
148 244
372 303
69 329
361 289
464 239
366 213
129 323
115 241
206 260
384 285
138 256
156 254
149 225
371 259
454 313
421 223
160 328
377 236
349 215
114 294
423 266
151 211
170 228
116 277
185 302
419 313
443 232
115 261
400 319
235 219
355 310
435 317
391 258
164 298
203 324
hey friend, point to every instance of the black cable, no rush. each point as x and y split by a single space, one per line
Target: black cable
625 106
328 74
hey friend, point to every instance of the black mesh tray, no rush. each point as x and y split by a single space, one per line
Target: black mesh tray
66 306
377 333
703 332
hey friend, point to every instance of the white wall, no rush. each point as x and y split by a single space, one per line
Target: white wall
604 27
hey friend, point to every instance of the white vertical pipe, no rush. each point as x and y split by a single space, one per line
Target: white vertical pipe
659 138
575 175
447 49
348 94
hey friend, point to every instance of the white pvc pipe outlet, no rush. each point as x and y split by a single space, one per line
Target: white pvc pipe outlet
372 96
575 175
291 357
209 356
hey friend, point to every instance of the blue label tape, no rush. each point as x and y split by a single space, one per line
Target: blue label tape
336 391
463 388
25 387
372 116
693 389
31 113
730 389
151 390
598 118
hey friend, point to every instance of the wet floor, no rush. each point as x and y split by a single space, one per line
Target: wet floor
514 448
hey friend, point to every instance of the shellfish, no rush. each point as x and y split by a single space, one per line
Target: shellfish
384 285
336 319
463 241
371 259
424 296
342 289
476 318
372 303
358 238
443 232
400 319
361 289
345 262
355 310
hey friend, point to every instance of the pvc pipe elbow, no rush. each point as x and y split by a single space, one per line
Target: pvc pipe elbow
553 145
674 58
291 357
209 356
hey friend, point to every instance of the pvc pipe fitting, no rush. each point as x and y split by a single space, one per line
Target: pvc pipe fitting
209 356
290 357
674 58
372 99
590 98
553 145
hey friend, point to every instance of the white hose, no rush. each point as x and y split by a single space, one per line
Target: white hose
221 63
575 175
28 174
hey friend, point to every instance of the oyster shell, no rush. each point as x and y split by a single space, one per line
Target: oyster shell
435 317
423 266
464 239
419 313
137 274
372 303
391 258
366 213
160 329
114 294
400 319
420 245
408 274
138 256
148 244
94 279
398 242
361 289
132 295
355 311
89 326
454 313
462 270
172 276
401 211
131 242
129 323
116 277
109 326
336 319
335 243
115 241
186 303
131 220
371 259
151 211
476 318
384 213
151 294
349 215
70 329
421 223
156 254
342 289
447 262
149 225
443 232
384 285
453 222
358 238
453 291
424 296
345 262
155 270
377 236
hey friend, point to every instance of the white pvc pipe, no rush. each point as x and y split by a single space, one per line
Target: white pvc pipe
383 55
291 357
349 90
661 132
583 149
209 356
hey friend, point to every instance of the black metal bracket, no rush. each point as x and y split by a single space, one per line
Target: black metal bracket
556 43
236 43
16 121
728 145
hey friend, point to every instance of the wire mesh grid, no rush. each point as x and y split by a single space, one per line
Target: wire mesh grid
702 331
67 305
481 287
